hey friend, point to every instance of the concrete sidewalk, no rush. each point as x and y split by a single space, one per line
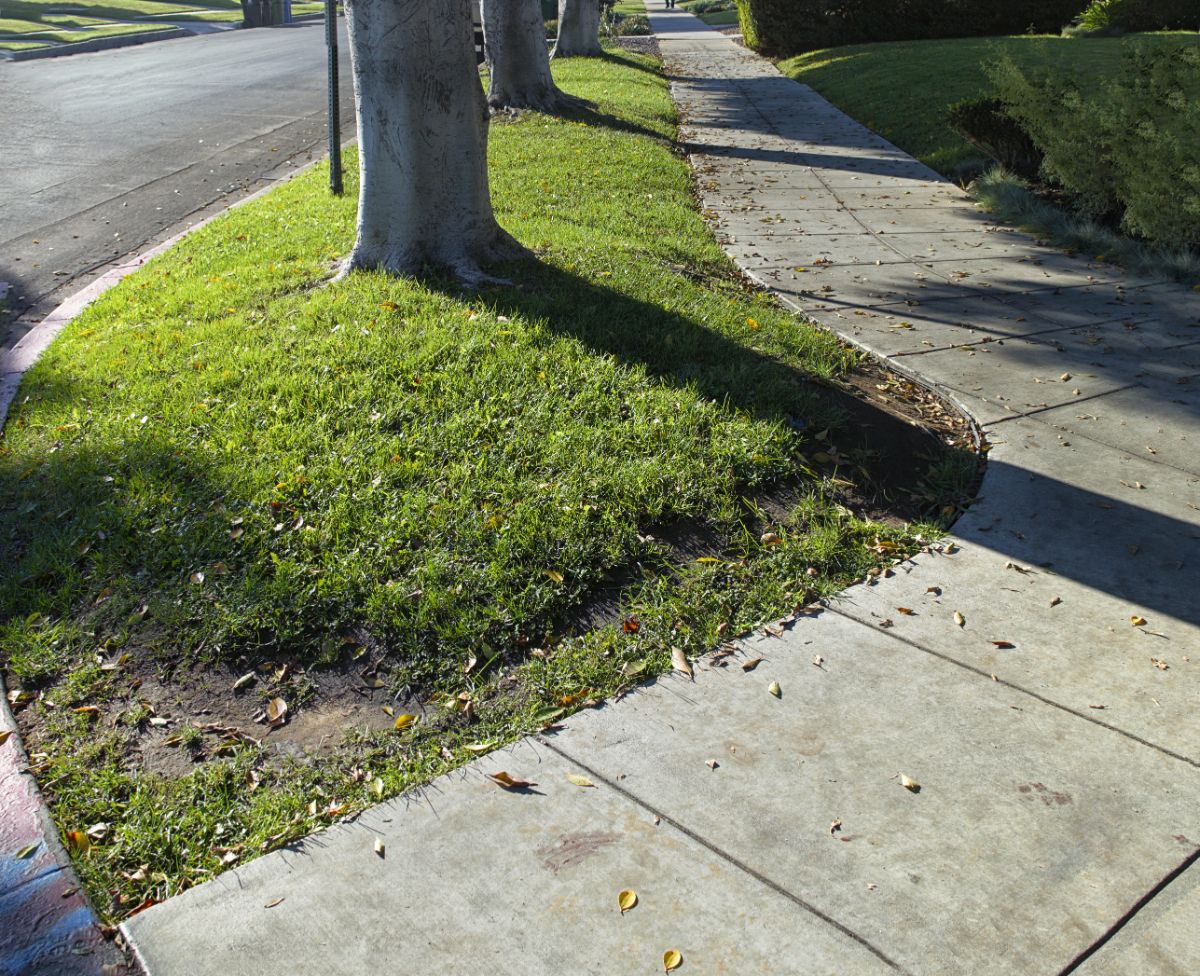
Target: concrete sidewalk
1055 740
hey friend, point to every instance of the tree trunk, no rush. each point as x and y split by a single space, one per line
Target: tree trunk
578 29
518 63
422 138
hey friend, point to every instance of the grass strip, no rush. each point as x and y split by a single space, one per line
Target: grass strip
229 466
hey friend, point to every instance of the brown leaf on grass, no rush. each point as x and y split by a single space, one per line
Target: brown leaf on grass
672 960
770 539
753 663
580 781
91 711
404 721
277 711
631 625
508 782
680 663
627 900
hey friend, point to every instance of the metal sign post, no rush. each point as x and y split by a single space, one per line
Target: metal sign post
335 121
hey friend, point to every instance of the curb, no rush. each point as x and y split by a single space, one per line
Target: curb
129 40
99 44
63 906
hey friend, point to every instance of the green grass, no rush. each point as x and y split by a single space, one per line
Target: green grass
714 18
103 30
21 45
408 471
903 89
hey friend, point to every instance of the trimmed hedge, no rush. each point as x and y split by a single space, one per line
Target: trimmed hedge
1128 152
782 27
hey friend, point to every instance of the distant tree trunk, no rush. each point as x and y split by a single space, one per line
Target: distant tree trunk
514 41
578 29
422 137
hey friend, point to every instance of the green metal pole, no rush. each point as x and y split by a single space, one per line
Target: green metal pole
335 121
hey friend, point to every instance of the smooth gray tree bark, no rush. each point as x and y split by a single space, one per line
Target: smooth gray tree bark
518 62
578 29
422 138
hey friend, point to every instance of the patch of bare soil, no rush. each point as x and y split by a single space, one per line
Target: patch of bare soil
188 717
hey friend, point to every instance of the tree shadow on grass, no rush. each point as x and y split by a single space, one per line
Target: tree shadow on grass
684 352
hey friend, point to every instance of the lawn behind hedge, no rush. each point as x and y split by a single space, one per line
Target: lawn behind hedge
903 89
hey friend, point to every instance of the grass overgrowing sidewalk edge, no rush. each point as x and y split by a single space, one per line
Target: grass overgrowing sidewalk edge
383 498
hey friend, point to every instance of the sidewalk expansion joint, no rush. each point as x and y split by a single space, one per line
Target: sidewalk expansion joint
1034 415
728 858
1128 917
1195 763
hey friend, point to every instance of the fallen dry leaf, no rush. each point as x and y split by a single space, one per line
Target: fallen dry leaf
907 611
1003 644
819 661
753 663
835 827
277 712
1160 664
1137 621
672 960
770 539
910 784
508 782
581 781
960 619
244 680
275 901
404 721
711 763
631 625
774 689
627 900
4 737
1056 601
554 574
380 847
78 842
1019 569
680 663
935 590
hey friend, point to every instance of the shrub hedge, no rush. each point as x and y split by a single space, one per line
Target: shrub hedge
782 27
1129 151
1117 16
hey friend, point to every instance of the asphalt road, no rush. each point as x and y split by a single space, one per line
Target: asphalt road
102 154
